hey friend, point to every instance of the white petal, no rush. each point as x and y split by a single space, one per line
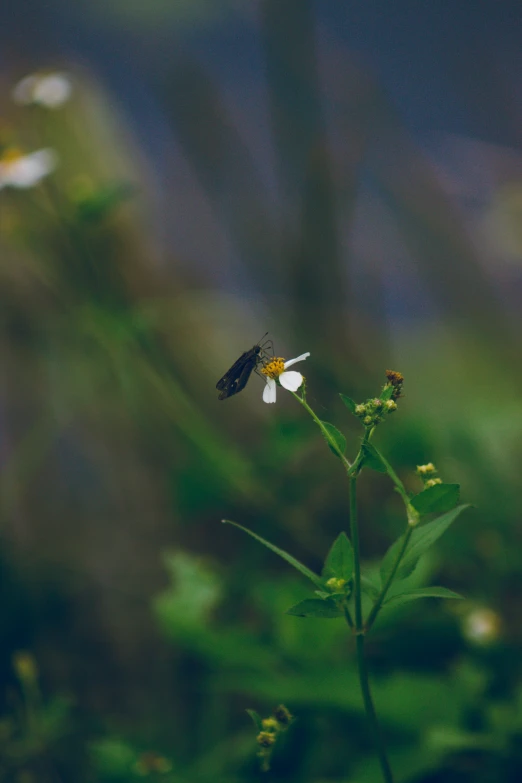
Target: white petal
53 90
270 391
49 90
23 91
297 359
28 170
291 380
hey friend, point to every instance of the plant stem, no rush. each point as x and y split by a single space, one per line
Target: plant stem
391 576
370 710
354 532
357 624
347 464
359 631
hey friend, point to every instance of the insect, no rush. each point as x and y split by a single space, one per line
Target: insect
235 379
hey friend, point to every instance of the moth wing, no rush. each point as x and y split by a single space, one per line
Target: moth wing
233 382
246 372
234 371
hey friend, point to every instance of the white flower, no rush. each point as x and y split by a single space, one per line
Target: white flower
482 626
276 371
51 90
24 171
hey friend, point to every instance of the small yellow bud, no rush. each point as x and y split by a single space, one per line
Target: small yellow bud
367 420
426 470
270 724
336 584
266 739
360 409
25 666
432 482
149 763
283 715
390 405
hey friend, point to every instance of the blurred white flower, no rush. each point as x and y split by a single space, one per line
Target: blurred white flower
276 370
51 90
24 171
482 626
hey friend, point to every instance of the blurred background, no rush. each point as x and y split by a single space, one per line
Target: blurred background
177 178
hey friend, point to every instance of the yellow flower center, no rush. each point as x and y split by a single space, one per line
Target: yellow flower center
11 154
274 368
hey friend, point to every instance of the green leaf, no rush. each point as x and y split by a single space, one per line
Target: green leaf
339 561
318 582
399 486
314 607
350 404
337 437
387 393
439 498
256 717
92 207
372 459
421 592
370 587
421 540
322 594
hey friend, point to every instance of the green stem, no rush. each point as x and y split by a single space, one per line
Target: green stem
357 626
348 616
370 710
359 631
391 576
325 432
354 532
401 489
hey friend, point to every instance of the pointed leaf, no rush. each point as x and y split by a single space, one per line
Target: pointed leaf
370 587
350 404
413 593
387 393
372 459
399 486
339 561
314 607
337 437
318 582
439 498
421 539
258 723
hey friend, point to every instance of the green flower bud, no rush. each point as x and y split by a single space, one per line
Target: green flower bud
426 470
266 738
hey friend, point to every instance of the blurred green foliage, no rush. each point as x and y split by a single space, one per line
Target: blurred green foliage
154 627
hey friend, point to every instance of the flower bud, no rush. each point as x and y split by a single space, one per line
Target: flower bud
283 715
270 724
266 739
426 470
336 584
25 666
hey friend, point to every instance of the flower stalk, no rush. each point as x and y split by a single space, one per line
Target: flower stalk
360 629
357 625
339 589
